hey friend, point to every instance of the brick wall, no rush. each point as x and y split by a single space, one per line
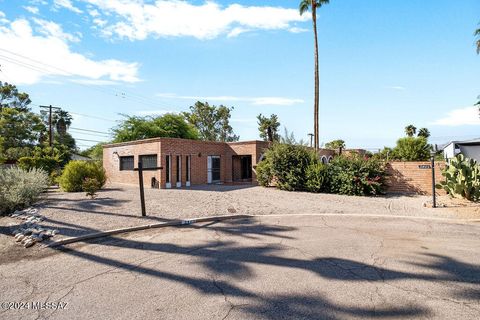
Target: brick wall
198 151
413 177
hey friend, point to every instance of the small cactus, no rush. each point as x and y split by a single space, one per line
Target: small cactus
462 178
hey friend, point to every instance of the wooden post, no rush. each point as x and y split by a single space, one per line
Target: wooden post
142 193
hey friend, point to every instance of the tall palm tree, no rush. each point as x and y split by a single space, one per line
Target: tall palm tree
424 132
410 130
62 120
305 5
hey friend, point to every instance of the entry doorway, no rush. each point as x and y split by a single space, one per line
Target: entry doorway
213 169
242 168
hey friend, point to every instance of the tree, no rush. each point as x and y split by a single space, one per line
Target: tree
94 152
289 138
11 98
268 127
410 130
169 125
212 122
424 132
335 144
305 5
412 149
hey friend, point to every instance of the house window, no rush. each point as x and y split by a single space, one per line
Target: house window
167 169
179 175
126 163
187 169
149 161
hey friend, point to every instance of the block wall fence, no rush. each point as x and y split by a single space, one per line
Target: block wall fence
413 177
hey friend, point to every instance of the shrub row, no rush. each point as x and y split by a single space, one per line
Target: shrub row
20 188
297 168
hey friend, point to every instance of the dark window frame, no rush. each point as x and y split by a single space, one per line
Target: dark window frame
168 168
150 163
178 163
126 166
188 165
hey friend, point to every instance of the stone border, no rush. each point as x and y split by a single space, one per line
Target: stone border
173 223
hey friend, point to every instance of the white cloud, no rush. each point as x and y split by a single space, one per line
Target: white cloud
28 58
273 101
54 30
31 9
136 19
297 30
460 117
67 4
94 13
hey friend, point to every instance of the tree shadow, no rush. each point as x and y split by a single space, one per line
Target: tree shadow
229 259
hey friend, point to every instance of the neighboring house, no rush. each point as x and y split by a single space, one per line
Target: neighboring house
469 148
80 157
186 162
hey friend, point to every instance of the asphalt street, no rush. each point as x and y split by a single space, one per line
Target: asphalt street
272 267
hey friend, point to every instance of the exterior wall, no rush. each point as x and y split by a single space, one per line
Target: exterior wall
111 161
409 178
197 150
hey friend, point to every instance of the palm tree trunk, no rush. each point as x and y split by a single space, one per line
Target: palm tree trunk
317 89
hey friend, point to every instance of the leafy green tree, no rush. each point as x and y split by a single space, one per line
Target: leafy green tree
19 128
94 152
312 5
289 138
424 132
168 125
335 144
212 122
11 98
410 130
268 127
412 149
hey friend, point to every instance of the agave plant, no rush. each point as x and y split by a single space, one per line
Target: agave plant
462 178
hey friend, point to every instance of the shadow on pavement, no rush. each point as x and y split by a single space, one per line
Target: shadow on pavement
226 258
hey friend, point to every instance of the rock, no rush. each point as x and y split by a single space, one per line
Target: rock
29 243
19 237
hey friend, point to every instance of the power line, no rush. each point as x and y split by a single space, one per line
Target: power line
119 93
88 130
90 140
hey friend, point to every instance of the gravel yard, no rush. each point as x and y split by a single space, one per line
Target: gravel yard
73 214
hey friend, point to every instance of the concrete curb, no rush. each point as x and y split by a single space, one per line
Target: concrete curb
173 223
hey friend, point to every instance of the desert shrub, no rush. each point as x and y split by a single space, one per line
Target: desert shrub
462 178
317 177
354 175
264 173
20 188
91 186
289 164
75 173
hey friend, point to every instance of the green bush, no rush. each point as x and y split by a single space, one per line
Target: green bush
462 178
75 172
289 164
20 188
317 178
264 173
411 149
355 175
91 186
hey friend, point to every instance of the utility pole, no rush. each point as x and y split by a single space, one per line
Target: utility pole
50 129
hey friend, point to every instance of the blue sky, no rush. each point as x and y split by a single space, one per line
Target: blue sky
383 64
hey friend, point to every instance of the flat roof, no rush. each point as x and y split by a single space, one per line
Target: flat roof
119 144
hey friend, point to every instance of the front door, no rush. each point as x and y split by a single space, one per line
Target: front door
213 169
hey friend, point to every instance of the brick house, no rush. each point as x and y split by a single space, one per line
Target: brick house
184 162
